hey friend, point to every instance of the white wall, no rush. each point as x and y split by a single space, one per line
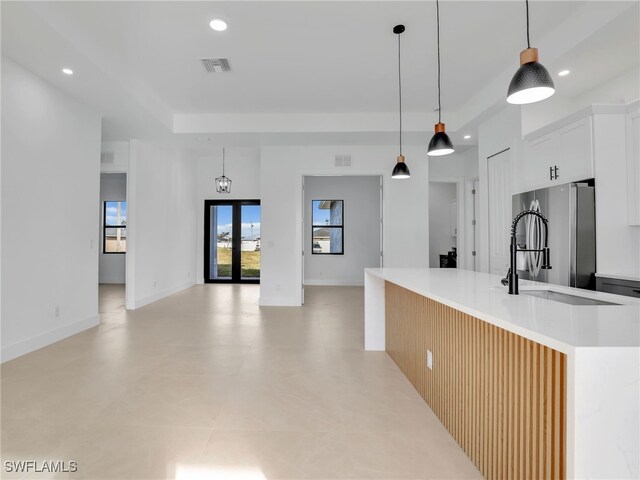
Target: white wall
619 90
440 240
50 185
361 214
111 267
161 224
242 166
471 164
447 167
405 209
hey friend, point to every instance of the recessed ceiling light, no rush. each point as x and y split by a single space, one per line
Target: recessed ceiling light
467 137
564 73
218 24
67 71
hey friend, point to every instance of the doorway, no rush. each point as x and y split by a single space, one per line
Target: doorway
341 229
232 241
443 224
112 258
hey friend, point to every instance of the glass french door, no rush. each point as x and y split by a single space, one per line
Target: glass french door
232 241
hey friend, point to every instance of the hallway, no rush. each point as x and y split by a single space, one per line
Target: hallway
206 384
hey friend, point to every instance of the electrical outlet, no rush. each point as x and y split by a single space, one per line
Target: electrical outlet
155 284
56 312
429 360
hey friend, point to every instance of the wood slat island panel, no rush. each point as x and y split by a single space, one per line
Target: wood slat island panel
501 396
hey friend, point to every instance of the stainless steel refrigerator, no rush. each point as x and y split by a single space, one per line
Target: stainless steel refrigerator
570 209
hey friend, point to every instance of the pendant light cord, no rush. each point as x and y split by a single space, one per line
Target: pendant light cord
438 30
223 161
399 95
527 5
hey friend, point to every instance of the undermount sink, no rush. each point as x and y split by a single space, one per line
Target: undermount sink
564 297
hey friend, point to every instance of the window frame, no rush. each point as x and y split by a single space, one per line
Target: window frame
105 226
341 227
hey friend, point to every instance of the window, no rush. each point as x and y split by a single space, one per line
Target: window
327 227
114 227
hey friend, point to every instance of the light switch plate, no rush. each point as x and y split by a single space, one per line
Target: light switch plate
429 360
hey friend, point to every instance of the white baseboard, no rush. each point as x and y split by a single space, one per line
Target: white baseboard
280 302
34 343
160 295
334 282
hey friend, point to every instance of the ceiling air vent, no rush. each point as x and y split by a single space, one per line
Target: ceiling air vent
343 161
216 65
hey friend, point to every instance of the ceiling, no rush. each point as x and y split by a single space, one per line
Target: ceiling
138 62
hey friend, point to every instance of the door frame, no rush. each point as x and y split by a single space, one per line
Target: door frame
473 238
461 237
236 235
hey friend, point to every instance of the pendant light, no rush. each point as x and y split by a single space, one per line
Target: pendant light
223 184
440 143
532 82
401 170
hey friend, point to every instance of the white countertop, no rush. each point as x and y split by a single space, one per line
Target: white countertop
557 325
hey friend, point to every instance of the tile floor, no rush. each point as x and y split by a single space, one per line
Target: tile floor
207 385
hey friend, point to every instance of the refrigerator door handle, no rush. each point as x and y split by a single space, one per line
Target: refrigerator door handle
573 206
583 237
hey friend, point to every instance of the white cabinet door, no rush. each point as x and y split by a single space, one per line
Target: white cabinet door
499 191
541 155
633 167
575 159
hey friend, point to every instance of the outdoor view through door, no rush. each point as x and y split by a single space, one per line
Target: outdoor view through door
232 241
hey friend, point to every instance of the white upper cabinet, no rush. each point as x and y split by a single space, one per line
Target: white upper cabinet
540 156
576 152
564 154
633 163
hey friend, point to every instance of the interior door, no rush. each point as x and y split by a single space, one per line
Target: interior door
232 241
499 194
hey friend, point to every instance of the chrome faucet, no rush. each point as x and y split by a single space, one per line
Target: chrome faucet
512 276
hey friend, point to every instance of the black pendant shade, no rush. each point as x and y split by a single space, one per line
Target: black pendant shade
531 82
401 170
440 144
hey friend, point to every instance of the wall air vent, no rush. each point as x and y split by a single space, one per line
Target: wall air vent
215 65
343 161
106 157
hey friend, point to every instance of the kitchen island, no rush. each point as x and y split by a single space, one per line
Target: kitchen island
528 387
